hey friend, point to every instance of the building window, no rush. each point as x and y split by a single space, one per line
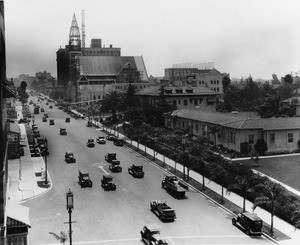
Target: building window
251 138
272 138
195 101
179 102
290 137
185 102
231 137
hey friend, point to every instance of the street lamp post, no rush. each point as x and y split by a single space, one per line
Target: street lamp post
70 206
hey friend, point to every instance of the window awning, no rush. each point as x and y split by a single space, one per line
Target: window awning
8 92
17 215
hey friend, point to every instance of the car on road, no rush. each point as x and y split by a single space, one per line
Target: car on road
110 137
42 109
46 115
115 166
136 171
90 143
84 180
67 120
69 157
101 140
118 141
51 107
151 235
23 120
162 210
51 122
89 124
63 131
110 156
44 119
107 184
250 223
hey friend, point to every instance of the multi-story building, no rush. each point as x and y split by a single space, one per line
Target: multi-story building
210 78
96 49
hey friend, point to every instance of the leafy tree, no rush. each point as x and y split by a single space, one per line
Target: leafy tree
261 146
129 97
112 102
62 237
135 115
270 193
226 83
288 79
23 86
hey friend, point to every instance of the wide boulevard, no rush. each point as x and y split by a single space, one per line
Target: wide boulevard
116 217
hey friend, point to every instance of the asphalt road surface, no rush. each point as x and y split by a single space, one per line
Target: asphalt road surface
116 217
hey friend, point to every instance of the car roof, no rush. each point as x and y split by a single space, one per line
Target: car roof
153 227
252 216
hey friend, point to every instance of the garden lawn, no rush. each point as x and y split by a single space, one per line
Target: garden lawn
285 168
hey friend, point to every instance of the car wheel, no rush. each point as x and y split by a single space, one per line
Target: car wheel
247 232
233 221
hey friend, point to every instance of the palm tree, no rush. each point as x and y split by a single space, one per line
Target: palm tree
113 102
270 194
241 184
218 171
62 237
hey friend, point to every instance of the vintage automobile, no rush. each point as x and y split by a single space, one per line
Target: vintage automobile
42 109
51 122
44 119
151 235
110 137
110 156
63 131
118 142
85 180
89 124
46 115
101 140
67 120
69 157
163 211
23 120
90 143
34 127
136 171
107 183
36 133
51 107
115 166
47 103
251 223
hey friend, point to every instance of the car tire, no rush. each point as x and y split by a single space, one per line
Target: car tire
234 221
247 231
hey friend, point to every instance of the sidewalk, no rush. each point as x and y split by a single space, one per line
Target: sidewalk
25 175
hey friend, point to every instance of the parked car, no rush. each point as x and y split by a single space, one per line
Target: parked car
51 122
110 156
118 142
46 115
110 137
67 120
42 109
115 166
44 119
136 171
162 210
69 157
63 131
101 140
90 143
84 180
151 235
251 223
89 124
107 183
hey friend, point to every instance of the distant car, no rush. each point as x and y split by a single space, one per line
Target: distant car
110 156
46 115
84 180
23 120
63 131
67 120
107 183
42 109
115 166
162 210
251 223
69 157
118 142
44 119
151 235
36 133
90 143
136 171
47 103
101 140
89 124
51 107
110 137
51 122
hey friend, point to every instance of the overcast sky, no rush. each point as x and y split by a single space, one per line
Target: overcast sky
241 37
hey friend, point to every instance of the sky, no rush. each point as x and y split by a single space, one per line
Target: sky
242 37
